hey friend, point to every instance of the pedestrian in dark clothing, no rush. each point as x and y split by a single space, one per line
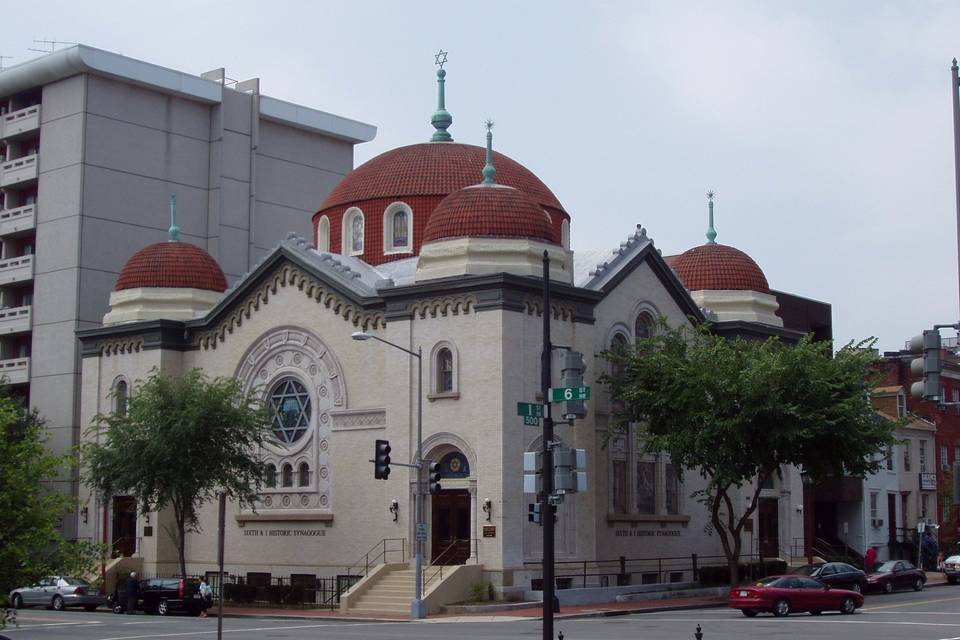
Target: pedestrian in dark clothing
870 559
133 592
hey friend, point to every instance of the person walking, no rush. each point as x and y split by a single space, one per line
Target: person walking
869 559
133 592
206 597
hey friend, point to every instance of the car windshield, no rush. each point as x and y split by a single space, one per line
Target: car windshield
75 582
771 581
887 566
807 570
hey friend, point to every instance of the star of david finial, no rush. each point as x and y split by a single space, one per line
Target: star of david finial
489 124
441 58
710 194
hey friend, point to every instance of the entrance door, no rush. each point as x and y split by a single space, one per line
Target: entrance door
450 527
124 526
892 517
768 516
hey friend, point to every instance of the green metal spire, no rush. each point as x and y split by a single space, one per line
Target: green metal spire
489 171
441 119
711 232
174 229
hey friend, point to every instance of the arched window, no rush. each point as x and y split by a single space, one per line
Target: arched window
121 398
323 234
352 232
444 370
397 228
290 402
618 345
286 477
565 233
644 327
400 236
270 479
303 474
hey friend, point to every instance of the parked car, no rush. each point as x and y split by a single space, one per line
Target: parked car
162 596
57 592
896 574
783 595
951 569
836 574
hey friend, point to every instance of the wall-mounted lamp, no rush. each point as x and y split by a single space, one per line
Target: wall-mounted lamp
395 509
146 517
799 508
487 508
85 514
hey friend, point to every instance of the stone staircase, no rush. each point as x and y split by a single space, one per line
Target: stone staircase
388 589
390 594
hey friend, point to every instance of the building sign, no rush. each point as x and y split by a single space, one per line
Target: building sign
928 482
489 531
293 533
642 533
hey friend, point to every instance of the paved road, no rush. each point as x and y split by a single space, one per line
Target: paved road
930 615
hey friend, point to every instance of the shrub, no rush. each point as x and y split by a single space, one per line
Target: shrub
491 594
476 591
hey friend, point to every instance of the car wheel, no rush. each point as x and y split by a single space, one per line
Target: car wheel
856 588
888 587
162 608
117 607
847 606
781 608
91 607
57 603
750 613
951 579
918 585
17 601
815 612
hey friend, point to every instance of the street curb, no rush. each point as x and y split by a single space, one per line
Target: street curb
279 616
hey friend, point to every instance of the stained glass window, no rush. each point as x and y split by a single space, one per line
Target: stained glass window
291 410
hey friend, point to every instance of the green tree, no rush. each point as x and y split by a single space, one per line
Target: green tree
738 410
30 544
181 442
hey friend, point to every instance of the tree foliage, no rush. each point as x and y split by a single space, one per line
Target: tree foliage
181 441
739 410
31 545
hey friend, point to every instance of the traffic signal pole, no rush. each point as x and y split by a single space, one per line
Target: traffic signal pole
955 83
547 508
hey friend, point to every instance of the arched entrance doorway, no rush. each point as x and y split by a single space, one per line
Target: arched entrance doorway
451 512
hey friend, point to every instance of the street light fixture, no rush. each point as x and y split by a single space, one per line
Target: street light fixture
417 607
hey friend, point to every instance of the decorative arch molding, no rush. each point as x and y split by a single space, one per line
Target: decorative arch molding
289 276
444 306
323 234
439 444
348 232
617 328
117 346
534 307
644 307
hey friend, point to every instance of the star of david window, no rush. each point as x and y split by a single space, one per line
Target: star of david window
291 410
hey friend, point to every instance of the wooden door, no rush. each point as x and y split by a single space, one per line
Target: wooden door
892 517
450 539
124 526
769 521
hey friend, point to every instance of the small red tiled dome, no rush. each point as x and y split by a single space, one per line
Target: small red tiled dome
172 265
489 211
718 267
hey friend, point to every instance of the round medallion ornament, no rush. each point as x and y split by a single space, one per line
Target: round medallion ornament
279 359
268 501
324 417
324 500
304 501
286 501
324 445
455 465
297 358
313 370
263 374
324 473
323 391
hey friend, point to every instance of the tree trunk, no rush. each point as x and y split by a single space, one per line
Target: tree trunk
181 518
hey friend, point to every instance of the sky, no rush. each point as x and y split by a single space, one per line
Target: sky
824 128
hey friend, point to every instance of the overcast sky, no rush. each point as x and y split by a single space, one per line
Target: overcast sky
824 127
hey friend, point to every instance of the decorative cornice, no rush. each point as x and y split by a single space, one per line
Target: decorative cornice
443 306
289 276
358 419
533 306
116 346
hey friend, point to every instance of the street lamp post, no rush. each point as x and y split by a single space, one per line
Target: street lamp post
417 608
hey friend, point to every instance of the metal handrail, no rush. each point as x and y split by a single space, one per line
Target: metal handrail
435 563
586 570
365 560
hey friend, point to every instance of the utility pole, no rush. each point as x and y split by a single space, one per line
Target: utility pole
546 497
955 83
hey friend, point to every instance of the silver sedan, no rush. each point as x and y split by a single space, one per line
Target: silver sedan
57 592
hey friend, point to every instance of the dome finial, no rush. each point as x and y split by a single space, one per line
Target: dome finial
711 232
489 171
174 229
441 119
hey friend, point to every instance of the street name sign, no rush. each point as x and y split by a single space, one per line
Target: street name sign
530 412
567 394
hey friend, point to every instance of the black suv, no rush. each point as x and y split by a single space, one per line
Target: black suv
162 596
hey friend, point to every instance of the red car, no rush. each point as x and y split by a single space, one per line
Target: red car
782 595
896 574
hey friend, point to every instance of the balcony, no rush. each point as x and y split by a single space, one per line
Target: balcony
18 220
15 320
20 171
20 122
15 371
13 270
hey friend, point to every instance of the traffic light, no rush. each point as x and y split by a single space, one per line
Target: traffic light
381 460
572 366
928 365
569 470
433 477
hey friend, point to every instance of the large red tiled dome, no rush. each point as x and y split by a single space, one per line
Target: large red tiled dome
172 265
718 267
489 211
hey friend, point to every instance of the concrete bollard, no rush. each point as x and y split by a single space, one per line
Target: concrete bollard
699 634
560 635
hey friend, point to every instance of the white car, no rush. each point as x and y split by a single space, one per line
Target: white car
951 569
58 593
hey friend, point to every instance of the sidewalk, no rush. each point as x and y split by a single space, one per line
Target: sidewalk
534 611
